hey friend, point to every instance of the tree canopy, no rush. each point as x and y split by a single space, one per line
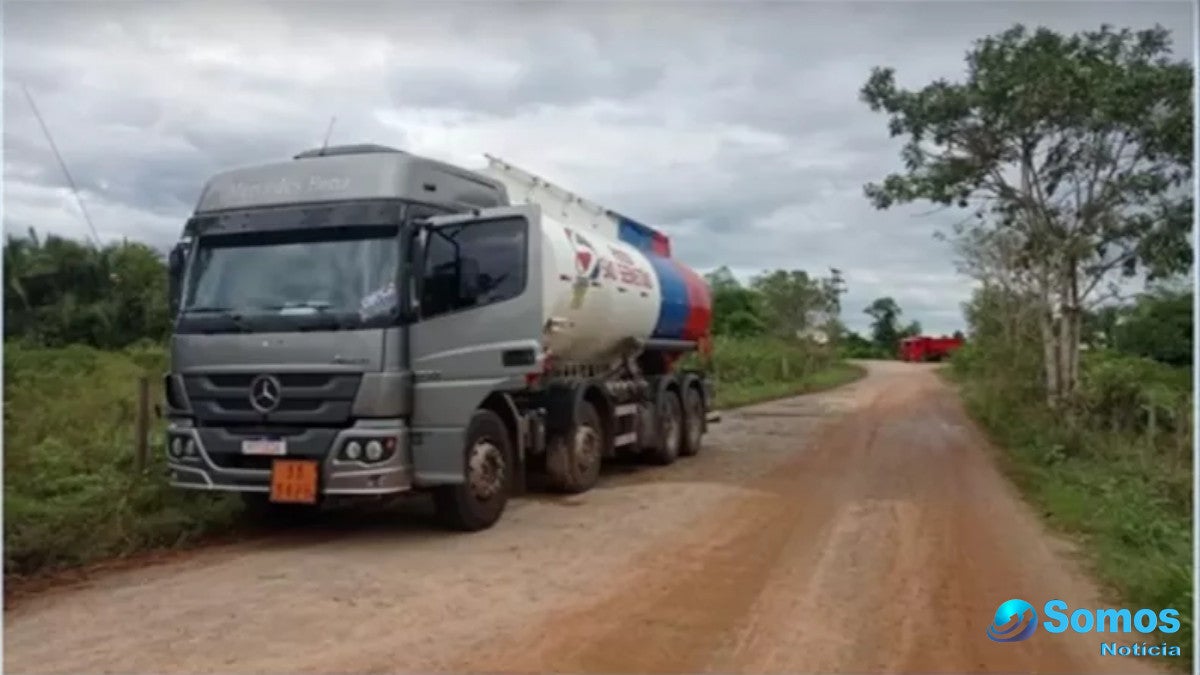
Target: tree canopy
784 303
58 291
1072 157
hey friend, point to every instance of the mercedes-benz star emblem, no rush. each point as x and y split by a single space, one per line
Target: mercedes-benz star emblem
264 393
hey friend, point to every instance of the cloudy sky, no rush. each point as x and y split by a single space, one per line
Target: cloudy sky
734 127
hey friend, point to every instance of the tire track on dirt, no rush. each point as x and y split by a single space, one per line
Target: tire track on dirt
676 608
864 529
884 545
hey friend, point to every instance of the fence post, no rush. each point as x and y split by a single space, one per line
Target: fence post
143 423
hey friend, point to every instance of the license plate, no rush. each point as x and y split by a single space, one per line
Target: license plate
294 481
264 447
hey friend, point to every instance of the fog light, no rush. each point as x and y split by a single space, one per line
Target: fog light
176 448
353 450
374 451
189 448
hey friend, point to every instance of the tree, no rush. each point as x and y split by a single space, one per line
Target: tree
58 291
1003 338
855 346
783 302
791 298
1071 153
737 311
885 332
1158 326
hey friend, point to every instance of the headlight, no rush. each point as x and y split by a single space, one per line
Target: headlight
189 448
353 450
374 451
176 448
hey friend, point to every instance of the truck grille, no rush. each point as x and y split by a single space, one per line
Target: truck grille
305 399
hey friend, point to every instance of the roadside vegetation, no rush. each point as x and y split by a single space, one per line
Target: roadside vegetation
72 495
749 370
1070 157
83 324
1114 465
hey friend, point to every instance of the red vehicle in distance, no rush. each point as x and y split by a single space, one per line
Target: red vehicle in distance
922 348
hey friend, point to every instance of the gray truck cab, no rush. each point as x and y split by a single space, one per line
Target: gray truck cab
340 321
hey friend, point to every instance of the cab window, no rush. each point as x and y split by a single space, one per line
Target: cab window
473 265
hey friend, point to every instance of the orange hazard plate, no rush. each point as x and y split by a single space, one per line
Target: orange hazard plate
294 481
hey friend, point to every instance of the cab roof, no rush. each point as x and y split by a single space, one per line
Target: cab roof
350 172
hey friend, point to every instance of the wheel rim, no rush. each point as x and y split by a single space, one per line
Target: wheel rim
671 427
587 448
486 469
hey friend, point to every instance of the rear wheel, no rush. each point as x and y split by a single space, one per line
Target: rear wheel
670 428
573 459
478 502
693 422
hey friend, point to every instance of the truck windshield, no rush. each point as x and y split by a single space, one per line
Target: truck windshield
347 274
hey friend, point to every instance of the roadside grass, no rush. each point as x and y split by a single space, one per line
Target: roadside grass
750 370
735 394
1123 492
72 496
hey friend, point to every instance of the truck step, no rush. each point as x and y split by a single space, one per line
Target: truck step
625 439
626 410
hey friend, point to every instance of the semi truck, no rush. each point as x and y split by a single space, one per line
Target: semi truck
360 321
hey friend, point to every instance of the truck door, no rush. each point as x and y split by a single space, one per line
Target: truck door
478 326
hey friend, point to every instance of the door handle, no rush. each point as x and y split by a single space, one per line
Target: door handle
512 358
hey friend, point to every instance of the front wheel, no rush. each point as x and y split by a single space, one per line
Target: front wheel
478 502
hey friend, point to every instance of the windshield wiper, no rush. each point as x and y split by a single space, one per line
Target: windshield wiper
318 305
322 317
229 313
208 309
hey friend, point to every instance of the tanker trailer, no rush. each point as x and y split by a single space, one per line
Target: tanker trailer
360 322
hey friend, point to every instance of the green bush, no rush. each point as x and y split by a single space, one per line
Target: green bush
745 370
1114 468
71 492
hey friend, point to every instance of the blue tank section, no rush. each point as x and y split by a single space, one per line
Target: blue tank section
635 234
673 315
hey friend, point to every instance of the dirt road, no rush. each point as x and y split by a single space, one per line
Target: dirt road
863 529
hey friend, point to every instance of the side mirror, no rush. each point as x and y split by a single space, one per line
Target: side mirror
176 262
470 283
469 287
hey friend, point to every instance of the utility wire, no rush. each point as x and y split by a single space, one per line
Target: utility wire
70 181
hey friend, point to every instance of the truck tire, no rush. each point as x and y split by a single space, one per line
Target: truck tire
479 501
693 422
573 459
670 429
260 510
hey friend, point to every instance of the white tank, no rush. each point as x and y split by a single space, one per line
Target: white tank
598 293
562 205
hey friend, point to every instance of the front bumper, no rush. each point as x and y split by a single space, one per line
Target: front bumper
337 477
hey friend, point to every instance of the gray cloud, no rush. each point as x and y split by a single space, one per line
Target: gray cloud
735 127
